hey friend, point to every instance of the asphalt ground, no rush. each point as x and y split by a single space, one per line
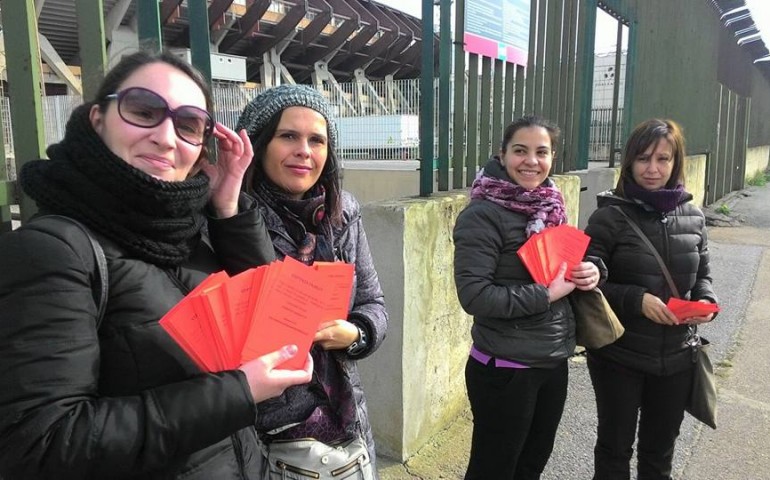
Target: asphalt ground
738 448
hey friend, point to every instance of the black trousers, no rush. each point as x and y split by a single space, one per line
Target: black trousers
516 412
625 397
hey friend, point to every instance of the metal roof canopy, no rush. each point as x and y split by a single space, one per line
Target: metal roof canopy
348 34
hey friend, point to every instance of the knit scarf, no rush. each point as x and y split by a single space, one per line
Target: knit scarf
662 200
543 205
324 408
154 220
305 220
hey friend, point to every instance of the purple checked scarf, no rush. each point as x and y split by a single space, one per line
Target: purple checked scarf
544 205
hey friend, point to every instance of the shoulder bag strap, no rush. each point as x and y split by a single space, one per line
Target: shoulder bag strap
101 266
652 249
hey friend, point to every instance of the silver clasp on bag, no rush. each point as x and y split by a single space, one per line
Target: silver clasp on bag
693 341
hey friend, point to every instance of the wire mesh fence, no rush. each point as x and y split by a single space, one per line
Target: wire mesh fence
376 120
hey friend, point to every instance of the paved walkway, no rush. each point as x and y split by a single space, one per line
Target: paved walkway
740 336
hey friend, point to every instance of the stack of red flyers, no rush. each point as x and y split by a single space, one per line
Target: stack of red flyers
684 309
544 252
227 321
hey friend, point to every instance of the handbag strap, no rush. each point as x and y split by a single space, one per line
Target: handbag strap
100 295
653 250
693 339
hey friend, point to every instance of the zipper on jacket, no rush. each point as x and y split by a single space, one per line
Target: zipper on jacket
173 274
238 450
666 255
339 253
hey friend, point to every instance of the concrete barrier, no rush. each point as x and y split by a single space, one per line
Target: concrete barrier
695 178
757 160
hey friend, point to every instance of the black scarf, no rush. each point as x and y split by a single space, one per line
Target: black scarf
305 220
663 200
157 221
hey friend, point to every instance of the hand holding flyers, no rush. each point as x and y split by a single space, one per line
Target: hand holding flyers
543 253
226 322
684 309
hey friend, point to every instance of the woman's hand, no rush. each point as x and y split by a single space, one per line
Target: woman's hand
585 276
234 156
699 320
336 334
560 286
657 311
267 381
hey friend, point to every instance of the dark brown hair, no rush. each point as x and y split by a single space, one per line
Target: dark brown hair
531 121
329 179
650 133
133 62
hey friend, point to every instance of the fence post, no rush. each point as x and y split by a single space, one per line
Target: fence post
92 51
445 47
458 134
584 79
200 49
472 132
615 93
148 25
24 74
426 101
6 187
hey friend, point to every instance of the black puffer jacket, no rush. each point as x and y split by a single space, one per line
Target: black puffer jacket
124 401
512 317
680 238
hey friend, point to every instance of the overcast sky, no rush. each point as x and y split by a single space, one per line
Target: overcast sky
760 12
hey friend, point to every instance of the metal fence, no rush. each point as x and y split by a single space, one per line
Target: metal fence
601 130
376 120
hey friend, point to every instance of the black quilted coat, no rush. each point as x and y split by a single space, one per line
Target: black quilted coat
680 238
512 317
124 401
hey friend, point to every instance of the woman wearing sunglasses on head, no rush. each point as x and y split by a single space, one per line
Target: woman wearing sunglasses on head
119 398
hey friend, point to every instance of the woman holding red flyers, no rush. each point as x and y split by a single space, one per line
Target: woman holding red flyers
295 177
645 377
86 393
523 332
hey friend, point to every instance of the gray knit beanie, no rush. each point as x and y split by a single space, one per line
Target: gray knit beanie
261 109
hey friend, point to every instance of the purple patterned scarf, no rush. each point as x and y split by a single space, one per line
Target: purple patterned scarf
544 205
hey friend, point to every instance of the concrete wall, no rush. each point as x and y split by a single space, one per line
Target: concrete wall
757 159
695 178
415 383
593 181
376 185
